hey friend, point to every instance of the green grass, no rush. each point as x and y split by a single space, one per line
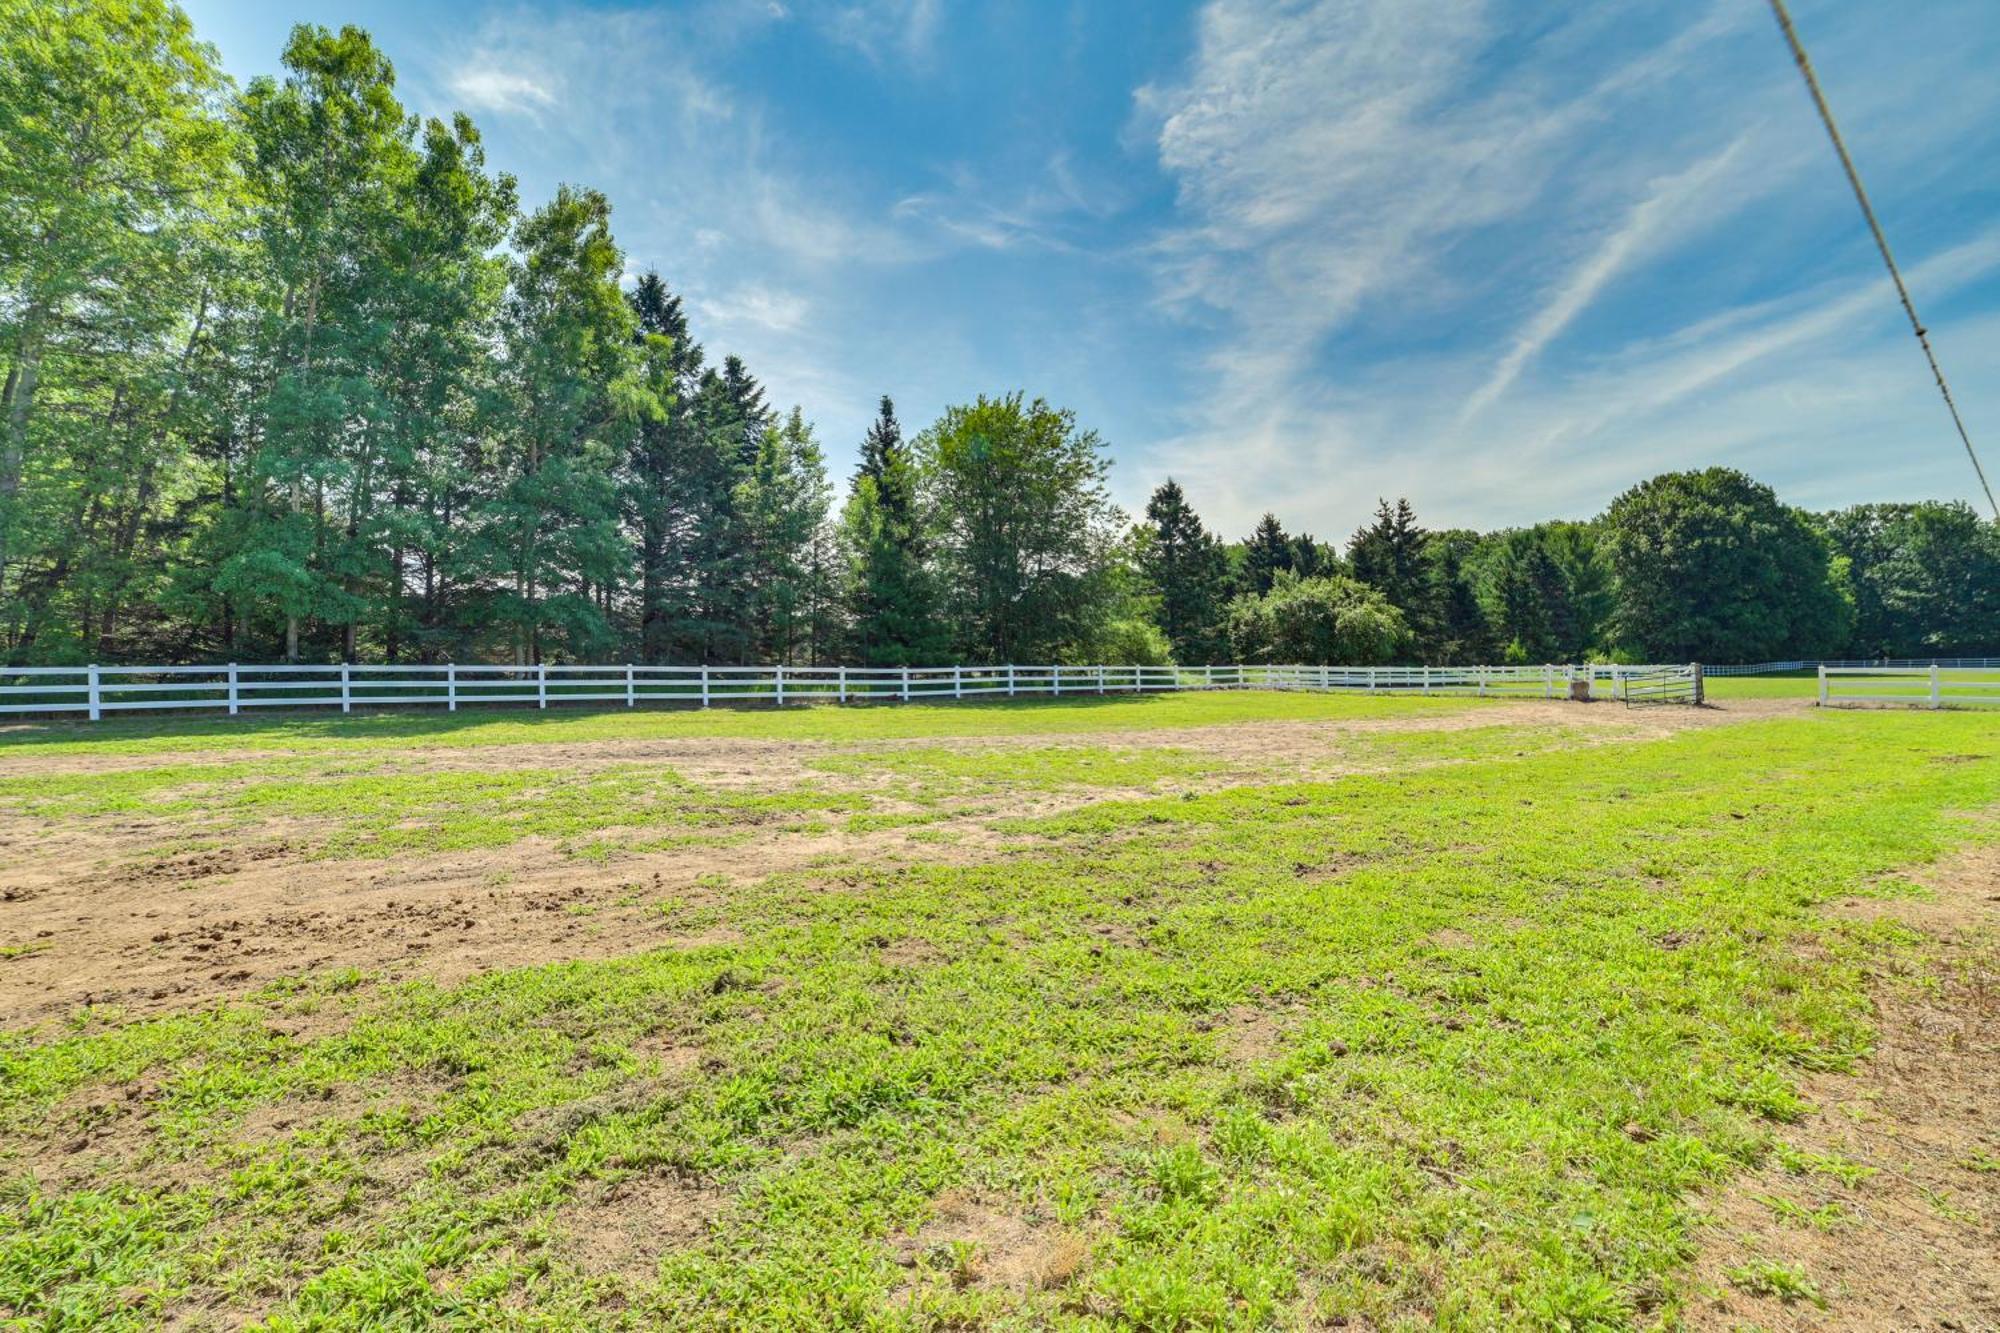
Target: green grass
1801 684
1451 1045
475 727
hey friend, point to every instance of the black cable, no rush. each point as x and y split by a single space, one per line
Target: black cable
1881 241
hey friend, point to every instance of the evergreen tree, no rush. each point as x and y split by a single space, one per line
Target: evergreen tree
1267 551
1388 554
1462 636
889 594
1184 571
549 533
783 503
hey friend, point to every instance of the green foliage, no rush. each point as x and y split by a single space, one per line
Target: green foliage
1925 578
1026 533
890 595
1185 574
288 373
1711 567
1546 592
1333 619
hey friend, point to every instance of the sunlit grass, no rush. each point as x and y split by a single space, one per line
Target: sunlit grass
1442 1046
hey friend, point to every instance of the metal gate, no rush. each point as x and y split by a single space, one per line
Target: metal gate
1663 685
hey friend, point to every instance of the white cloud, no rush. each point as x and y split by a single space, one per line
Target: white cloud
757 306
1413 172
1664 208
506 91
881 29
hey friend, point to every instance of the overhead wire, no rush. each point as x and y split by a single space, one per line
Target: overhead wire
1881 242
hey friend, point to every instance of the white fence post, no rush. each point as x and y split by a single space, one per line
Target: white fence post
95 692
1055 680
1010 680
1935 701
541 684
958 682
233 702
346 690
1100 680
841 678
1822 684
906 684
704 685
630 696
781 686
451 687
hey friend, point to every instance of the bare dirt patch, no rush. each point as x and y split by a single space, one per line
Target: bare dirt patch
109 910
981 1242
1915 1244
623 1228
155 943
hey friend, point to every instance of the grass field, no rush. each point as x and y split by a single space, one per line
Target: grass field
1802 684
1209 1011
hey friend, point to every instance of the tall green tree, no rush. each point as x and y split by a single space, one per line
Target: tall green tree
891 595
1184 572
570 390
1389 553
1266 551
783 502
1712 568
113 168
1925 578
1461 634
1547 592
1027 534
330 154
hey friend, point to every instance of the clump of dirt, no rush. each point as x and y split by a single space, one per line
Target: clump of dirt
979 1243
622 1229
1910 1239
1246 1034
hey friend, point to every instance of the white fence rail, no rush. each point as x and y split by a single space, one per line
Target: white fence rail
1807 664
1913 687
233 688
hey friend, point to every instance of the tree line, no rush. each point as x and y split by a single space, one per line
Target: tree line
293 374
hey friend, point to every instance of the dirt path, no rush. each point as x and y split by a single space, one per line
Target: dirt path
1916 1243
91 913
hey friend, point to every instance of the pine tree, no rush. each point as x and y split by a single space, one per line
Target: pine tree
549 533
1267 551
675 485
783 503
889 594
1388 555
1185 574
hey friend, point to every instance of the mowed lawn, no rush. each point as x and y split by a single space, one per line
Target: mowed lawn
1213 1011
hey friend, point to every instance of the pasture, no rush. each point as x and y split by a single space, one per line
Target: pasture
1234 1010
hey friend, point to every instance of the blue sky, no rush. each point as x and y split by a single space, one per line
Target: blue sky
1503 258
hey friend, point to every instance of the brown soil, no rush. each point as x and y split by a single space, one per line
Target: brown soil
1917 1244
106 919
979 1242
622 1229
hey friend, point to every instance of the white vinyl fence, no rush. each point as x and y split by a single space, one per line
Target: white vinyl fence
233 688
1807 664
1913 687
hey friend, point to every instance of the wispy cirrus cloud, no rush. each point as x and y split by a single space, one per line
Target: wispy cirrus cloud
1424 242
